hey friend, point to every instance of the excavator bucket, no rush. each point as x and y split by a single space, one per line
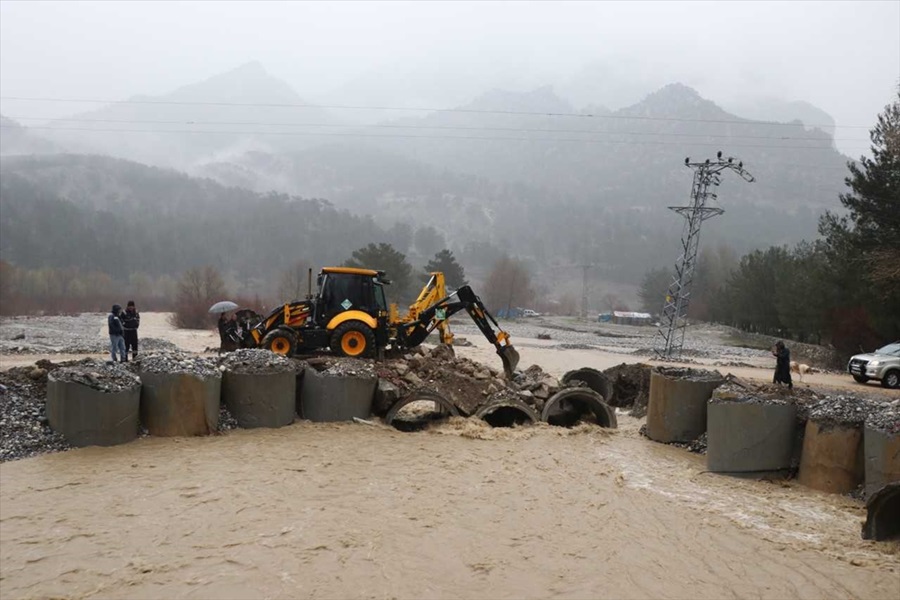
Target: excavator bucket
510 358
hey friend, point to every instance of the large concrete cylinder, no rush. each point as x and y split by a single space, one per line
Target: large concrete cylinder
676 411
882 458
326 398
89 417
591 378
883 514
180 404
831 460
260 399
507 412
568 406
750 437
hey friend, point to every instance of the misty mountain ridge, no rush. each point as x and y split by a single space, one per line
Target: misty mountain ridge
584 187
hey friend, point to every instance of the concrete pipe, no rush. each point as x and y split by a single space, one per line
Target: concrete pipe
326 398
260 400
442 408
831 460
570 405
89 417
883 514
882 458
750 437
676 411
507 413
590 378
180 404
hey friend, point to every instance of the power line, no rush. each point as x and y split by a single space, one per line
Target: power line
420 127
407 136
425 109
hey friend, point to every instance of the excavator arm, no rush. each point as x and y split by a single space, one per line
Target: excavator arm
436 315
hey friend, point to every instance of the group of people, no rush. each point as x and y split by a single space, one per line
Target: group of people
123 331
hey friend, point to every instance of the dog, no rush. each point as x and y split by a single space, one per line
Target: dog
800 369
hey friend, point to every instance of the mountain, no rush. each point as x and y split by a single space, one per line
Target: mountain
17 139
122 218
244 109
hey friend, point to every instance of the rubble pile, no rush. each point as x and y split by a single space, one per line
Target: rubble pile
97 375
255 361
343 367
176 362
24 430
887 418
467 384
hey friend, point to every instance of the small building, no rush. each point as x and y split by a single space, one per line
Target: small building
620 317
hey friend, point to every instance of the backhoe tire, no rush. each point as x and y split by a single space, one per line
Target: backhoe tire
353 338
280 342
860 378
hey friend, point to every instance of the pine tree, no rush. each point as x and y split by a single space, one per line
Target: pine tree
384 257
445 262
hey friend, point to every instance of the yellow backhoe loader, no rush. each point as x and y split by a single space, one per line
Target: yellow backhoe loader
350 314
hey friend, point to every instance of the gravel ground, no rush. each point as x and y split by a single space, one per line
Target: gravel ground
172 362
24 430
254 361
701 341
85 333
99 375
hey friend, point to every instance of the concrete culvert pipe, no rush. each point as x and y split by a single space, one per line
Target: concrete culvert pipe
750 437
325 398
507 413
261 399
418 409
180 404
590 378
87 416
832 459
882 456
883 514
571 405
676 411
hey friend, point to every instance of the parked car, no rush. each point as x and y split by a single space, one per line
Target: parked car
881 365
530 313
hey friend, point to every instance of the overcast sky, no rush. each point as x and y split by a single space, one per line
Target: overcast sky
841 57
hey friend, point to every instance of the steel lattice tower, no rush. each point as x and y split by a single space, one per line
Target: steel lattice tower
678 296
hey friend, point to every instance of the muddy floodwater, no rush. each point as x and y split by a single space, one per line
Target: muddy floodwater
360 511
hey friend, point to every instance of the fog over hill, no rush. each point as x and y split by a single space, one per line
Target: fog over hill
527 173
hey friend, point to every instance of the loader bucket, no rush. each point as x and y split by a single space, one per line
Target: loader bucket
510 358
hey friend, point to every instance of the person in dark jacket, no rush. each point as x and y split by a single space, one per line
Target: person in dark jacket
116 334
229 341
131 320
782 364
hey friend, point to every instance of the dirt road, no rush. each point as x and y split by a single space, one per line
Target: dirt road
353 511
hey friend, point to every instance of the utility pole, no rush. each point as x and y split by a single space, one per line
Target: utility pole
678 296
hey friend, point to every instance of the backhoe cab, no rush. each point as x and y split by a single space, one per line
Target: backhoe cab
350 314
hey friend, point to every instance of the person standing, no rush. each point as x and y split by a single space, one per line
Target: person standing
116 334
782 365
131 320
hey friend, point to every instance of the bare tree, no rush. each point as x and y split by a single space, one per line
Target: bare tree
508 285
198 289
294 281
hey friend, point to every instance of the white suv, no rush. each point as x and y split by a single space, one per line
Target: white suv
882 365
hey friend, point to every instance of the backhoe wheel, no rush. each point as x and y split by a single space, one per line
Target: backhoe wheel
353 338
280 342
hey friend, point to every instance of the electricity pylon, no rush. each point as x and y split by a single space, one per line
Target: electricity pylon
678 296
